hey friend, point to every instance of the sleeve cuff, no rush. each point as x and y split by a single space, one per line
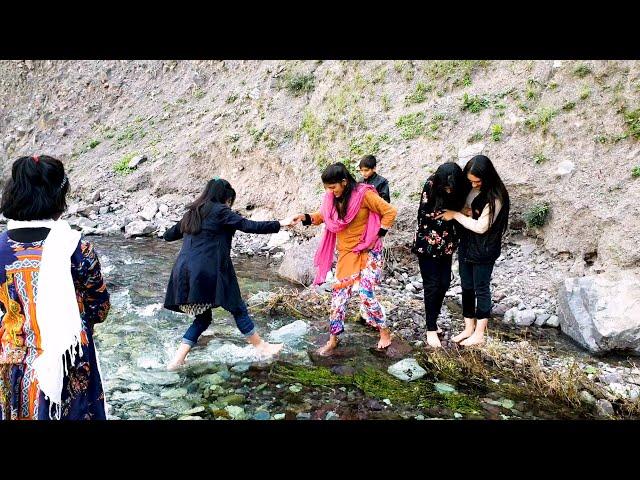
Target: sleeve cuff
307 220
382 232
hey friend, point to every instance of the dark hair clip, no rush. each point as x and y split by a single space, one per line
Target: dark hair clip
64 182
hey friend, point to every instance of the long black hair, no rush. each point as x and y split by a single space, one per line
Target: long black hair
492 186
336 173
448 174
216 191
37 189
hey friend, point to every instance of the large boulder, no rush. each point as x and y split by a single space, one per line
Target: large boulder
297 264
138 228
602 313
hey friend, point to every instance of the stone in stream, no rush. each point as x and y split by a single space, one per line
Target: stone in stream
290 333
598 320
407 370
297 264
138 228
261 415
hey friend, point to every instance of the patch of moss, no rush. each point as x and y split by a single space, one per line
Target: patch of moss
308 376
379 384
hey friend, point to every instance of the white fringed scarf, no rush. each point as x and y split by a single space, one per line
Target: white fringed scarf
57 311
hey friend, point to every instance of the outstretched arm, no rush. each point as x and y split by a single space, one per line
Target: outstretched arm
173 233
238 222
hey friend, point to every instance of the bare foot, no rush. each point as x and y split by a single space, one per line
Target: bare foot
175 365
469 328
474 339
266 348
327 348
433 340
385 338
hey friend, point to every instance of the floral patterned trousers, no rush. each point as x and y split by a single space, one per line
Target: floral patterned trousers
365 282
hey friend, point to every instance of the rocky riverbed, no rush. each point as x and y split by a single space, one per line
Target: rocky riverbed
523 372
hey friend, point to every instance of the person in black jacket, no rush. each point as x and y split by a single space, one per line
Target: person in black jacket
485 219
203 276
435 241
368 171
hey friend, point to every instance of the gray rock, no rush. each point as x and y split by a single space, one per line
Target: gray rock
137 160
565 168
541 318
604 408
410 288
304 416
290 333
524 318
332 416
278 239
407 369
149 210
104 210
86 223
297 264
598 319
261 415
587 398
610 378
235 412
138 228
553 321
260 297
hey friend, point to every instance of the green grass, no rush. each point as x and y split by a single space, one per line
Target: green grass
456 72
541 118
232 98
474 104
635 172
496 132
379 74
476 137
122 167
368 144
567 107
386 102
411 125
632 121
396 193
419 95
536 215
539 158
199 93
552 85
600 139
581 70
585 93
298 83
500 108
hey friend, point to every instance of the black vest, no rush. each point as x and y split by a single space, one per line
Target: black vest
485 247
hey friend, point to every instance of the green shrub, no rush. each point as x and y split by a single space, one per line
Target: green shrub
474 104
411 125
299 83
581 70
635 172
632 120
539 158
567 107
476 137
496 132
419 95
122 167
541 118
536 215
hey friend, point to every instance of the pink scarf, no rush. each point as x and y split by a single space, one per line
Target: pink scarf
333 225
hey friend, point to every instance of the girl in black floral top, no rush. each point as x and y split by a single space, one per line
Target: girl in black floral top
435 240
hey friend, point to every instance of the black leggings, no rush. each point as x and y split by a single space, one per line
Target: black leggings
436 278
475 280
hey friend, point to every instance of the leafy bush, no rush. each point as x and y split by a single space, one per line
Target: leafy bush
536 215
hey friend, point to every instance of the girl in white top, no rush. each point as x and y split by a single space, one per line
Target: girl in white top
485 218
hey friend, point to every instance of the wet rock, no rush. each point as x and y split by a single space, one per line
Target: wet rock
399 348
444 388
344 370
332 416
279 416
190 417
261 415
604 408
174 393
240 367
407 370
297 264
303 416
235 412
233 399
290 333
194 410
598 320
212 379
375 405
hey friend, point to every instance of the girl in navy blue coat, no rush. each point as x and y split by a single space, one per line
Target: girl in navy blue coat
203 276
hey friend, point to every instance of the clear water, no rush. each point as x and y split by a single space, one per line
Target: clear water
225 379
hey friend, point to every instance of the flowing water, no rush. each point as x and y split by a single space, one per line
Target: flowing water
225 379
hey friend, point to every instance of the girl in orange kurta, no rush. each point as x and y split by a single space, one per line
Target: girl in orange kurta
355 218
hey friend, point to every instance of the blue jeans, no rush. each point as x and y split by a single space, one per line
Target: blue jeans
475 280
202 322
